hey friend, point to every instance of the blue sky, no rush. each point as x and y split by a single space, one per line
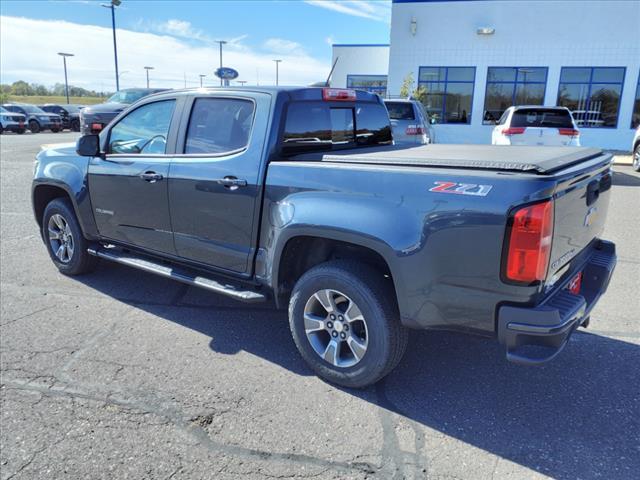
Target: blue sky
299 31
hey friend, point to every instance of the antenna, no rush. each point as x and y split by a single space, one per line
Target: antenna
326 84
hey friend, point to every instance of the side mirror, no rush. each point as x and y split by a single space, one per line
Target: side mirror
88 146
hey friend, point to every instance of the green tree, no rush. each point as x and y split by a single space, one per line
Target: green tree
407 85
21 88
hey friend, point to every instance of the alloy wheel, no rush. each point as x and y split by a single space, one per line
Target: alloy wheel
336 328
60 238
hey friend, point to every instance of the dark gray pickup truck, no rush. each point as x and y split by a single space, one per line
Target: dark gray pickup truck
297 195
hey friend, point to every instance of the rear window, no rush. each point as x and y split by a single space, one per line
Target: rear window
400 110
539 117
317 126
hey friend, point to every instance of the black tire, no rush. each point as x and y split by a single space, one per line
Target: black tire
80 261
1 129
34 126
75 125
55 130
375 298
20 131
636 158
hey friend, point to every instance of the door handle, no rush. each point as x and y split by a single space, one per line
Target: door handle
151 177
232 183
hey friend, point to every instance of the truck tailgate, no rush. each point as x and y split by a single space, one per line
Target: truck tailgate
581 203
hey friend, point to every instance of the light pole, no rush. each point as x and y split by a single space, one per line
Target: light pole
66 83
202 75
277 63
242 82
112 5
221 42
147 69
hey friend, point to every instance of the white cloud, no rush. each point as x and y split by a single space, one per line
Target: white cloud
379 10
284 47
28 55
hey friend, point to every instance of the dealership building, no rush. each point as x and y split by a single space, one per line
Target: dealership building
475 58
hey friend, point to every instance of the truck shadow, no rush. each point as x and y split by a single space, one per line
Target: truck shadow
577 417
623 179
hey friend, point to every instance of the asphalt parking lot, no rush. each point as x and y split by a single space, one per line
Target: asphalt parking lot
121 374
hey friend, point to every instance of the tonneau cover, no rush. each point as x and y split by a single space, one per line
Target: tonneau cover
541 160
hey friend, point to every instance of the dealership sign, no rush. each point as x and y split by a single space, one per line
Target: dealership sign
226 73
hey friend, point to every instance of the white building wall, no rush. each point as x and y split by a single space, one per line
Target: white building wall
358 60
527 34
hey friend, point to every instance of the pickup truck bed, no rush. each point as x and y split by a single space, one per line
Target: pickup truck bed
485 157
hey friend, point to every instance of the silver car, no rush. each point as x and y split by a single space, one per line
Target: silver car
409 122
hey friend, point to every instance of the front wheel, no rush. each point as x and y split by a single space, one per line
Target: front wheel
344 321
34 126
636 158
63 236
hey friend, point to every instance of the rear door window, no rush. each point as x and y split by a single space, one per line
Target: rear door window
400 110
219 125
538 117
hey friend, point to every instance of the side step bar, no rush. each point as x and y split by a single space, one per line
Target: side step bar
180 274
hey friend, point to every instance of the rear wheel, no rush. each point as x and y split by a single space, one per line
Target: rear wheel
63 236
75 125
34 126
344 321
636 158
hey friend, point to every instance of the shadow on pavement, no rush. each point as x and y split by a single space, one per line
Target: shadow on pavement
576 417
622 179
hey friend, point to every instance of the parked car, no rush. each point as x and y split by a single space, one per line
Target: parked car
12 122
588 118
70 114
36 118
635 149
93 118
409 122
535 125
297 194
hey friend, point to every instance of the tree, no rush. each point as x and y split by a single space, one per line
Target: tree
21 88
407 85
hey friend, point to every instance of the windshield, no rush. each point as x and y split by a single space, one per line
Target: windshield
71 108
3 110
400 110
128 96
32 109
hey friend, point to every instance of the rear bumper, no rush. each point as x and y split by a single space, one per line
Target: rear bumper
533 335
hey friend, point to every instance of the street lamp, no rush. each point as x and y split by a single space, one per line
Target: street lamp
277 62
66 83
221 42
147 69
202 75
112 5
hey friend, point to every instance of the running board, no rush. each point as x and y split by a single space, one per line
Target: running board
180 274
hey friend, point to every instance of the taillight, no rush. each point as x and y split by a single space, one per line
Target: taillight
513 131
338 94
529 245
96 126
414 130
571 132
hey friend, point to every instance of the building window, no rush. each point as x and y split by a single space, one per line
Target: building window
507 86
635 117
447 93
592 94
370 83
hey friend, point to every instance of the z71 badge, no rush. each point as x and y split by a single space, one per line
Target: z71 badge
462 188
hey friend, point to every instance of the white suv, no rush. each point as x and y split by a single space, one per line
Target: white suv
535 125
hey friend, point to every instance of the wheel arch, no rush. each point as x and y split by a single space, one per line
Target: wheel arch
44 193
302 251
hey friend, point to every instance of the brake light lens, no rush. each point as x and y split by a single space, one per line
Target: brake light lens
414 130
513 131
529 247
338 94
96 127
571 132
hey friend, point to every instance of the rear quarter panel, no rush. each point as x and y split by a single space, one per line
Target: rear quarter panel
444 250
